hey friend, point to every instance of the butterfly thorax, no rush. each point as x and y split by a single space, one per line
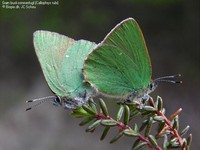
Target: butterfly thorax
137 95
143 93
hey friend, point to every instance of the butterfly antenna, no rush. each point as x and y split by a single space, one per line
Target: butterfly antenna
171 79
39 101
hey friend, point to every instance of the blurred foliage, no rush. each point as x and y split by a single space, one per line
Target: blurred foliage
72 17
156 2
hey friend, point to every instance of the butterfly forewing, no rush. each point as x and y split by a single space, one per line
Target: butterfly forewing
120 64
50 48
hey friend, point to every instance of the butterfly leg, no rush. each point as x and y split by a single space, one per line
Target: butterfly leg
77 101
134 98
145 98
69 104
84 96
143 101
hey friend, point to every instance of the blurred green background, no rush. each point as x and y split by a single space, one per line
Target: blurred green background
171 30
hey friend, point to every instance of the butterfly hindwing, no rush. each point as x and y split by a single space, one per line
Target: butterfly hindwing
72 65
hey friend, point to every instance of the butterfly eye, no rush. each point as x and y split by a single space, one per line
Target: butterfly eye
57 101
150 86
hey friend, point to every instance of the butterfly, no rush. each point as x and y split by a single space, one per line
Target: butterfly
120 65
61 59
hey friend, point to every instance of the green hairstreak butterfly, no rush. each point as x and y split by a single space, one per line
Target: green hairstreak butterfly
61 59
120 65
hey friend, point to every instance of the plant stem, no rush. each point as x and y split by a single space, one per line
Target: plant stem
122 127
173 131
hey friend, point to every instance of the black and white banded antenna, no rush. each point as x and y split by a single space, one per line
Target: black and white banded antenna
171 79
40 101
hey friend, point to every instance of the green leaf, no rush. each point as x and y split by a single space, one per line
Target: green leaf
146 113
189 140
93 106
174 140
165 142
163 110
120 112
139 146
160 103
108 122
158 118
149 108
174 145
135 143
184 131
135 128
144 124
134 113
132 106
86 120
161 126
130 132
93 126
176 123
126 115
80 112
89 110
148 128
184 145
117 137
103 107
153 140
105 132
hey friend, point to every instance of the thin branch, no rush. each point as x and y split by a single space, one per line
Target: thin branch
122 127
170 127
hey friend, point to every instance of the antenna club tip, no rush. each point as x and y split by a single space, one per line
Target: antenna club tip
28 109
179 82
29 101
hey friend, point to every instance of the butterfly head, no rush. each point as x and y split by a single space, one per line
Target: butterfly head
152 86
